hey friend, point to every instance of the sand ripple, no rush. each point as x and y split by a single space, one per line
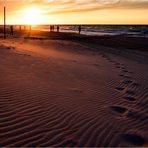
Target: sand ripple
71 104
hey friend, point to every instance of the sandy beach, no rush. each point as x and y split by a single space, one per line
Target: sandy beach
73 91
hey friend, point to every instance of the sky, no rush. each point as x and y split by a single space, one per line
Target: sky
75 11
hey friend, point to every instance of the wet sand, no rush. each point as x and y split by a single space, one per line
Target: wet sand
70 93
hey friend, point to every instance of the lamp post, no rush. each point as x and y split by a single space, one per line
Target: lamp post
4 19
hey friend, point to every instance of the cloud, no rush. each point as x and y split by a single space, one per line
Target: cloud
73 6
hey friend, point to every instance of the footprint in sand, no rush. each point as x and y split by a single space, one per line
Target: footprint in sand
103 55
121 75
123 68
124 74
122 111
108 59
125 71
130 94
130 98
136 115
134 139
117 64
127 81
118 67
119 110
119 88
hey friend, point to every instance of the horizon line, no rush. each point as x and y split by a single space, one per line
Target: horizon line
145 24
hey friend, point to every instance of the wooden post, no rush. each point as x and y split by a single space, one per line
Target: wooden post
4 22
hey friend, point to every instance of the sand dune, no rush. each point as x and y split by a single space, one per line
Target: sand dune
61 93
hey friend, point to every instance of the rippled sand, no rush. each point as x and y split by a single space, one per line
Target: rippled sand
62 93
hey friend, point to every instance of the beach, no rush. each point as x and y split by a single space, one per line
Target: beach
70 90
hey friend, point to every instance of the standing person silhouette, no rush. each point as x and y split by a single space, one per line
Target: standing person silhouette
79 28
11 30
50 28
58 28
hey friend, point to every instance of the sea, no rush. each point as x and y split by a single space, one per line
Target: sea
101 30
95 30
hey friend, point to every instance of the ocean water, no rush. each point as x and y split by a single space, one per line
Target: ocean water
97 30
102 30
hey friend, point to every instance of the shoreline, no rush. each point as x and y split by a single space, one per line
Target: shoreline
115 41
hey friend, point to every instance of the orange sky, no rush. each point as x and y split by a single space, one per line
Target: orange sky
76 12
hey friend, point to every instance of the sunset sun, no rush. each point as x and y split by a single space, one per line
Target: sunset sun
32 15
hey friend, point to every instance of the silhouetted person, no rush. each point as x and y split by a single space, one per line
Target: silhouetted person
11 30
50 28
79 28
58 28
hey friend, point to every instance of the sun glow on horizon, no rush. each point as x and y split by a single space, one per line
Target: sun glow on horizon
38 12
32 16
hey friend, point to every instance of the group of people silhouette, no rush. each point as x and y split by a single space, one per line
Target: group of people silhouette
52 27
12 30
58 28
